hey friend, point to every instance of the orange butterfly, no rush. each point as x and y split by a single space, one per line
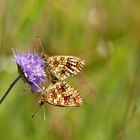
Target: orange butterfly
60 93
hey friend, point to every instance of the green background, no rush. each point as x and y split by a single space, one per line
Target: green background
106 33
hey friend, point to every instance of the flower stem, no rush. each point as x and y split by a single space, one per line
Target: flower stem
9 89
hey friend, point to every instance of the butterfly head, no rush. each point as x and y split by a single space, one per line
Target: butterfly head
41 102
45 56
42 98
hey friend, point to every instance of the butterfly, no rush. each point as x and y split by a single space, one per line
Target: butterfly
59 93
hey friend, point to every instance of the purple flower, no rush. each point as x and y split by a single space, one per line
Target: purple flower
32 69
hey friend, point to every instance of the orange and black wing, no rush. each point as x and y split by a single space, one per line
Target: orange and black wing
63 67
63 95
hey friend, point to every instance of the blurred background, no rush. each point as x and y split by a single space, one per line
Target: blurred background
106 33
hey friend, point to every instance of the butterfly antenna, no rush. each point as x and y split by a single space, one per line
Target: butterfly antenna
40 43
36 111
9 89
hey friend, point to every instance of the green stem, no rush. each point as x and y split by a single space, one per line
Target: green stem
9 89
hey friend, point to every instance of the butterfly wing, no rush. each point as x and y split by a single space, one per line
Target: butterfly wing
63 67
63 95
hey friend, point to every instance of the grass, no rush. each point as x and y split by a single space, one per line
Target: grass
105 34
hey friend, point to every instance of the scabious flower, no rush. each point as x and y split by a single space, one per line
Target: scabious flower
31 67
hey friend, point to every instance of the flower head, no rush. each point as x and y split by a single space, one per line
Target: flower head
32 68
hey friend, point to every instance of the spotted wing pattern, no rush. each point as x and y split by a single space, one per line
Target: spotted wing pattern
62 94
63 67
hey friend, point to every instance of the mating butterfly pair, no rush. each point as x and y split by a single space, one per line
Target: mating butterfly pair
59 93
